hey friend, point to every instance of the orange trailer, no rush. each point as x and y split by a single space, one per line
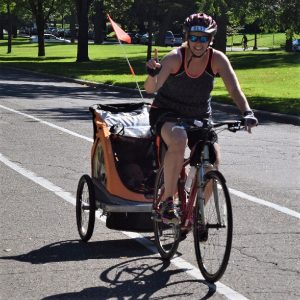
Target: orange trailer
123 169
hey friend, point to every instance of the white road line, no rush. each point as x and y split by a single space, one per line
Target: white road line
177 261
282 209
242 195
48 123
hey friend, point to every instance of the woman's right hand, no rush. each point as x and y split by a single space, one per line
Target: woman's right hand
152 65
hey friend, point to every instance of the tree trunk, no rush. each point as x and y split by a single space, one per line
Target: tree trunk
99 23
40 32
82 15
38 12
289 45
72 25
150 30
9 31
1 32
1 27
255 42
163 27
220 39
289 40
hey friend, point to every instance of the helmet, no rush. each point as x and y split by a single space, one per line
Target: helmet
200 22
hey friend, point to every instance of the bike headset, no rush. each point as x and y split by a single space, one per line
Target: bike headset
199 22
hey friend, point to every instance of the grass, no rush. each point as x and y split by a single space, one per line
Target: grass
269 40
268 78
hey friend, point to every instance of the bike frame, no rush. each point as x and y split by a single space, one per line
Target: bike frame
187 202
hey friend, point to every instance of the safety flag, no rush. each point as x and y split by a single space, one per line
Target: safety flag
121 34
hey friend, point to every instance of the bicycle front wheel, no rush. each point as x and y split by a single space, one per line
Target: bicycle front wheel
166 235
213 239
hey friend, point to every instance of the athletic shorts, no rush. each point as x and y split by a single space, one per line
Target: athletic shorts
158 116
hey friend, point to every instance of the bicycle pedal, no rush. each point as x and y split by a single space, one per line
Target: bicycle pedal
156 218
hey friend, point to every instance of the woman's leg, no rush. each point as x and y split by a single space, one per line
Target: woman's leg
175 138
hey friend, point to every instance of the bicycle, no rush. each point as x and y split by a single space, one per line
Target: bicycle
204 206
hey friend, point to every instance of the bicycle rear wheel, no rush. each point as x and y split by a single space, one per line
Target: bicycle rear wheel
167 236
213 239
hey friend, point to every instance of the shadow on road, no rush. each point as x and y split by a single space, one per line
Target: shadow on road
74 250
139 278
146 278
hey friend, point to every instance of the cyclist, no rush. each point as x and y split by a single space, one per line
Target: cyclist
183 81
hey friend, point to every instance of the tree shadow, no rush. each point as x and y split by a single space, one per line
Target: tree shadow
49 91
146 278
249 60
19 60
74 250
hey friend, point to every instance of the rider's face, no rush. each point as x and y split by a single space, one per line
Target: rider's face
198 42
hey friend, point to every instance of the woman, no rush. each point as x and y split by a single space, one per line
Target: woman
183 81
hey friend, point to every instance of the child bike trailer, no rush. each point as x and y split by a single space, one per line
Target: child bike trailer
123 170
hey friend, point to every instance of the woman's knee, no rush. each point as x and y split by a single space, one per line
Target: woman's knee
175 137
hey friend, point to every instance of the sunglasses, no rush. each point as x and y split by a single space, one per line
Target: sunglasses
200 39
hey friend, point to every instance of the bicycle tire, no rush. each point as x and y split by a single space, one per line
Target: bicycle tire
167 237
213 240
85 208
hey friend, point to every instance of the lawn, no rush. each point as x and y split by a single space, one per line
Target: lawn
273 41
268 78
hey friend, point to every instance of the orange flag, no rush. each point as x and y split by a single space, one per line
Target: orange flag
121 34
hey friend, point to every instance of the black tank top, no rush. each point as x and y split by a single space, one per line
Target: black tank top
186 95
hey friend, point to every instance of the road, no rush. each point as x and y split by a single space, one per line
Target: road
46 134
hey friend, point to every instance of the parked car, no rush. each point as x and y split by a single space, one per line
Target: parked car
49 38
169 38
296 45
178 40
134 37
145 39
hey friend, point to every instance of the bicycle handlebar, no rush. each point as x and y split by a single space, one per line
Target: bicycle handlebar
194 124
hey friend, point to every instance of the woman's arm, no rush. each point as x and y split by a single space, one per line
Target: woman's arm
169 64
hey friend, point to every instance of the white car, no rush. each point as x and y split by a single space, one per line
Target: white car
178 40
296 45
49 38
145 39
169 39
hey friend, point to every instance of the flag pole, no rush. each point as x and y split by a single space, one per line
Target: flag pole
131 69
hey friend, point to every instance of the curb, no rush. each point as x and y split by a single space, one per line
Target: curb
260 114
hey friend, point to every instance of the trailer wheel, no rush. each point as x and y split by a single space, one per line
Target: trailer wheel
85 207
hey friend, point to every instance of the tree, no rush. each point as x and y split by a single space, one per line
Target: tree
7 8
9 31
171 11
82 7
290 20
269 16
41 10
99 21
219 10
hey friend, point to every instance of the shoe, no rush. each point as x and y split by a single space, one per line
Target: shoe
203 235
168 212
183 235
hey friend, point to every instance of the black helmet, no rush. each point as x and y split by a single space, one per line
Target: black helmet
200 22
